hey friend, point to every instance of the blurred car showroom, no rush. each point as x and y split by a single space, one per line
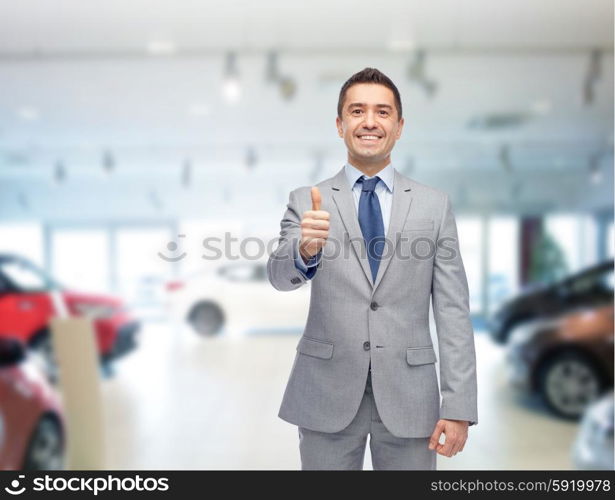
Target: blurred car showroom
147 151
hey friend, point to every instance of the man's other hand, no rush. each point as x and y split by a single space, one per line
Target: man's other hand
456 434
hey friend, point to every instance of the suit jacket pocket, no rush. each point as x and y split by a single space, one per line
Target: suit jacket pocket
420 355
418 225
316 348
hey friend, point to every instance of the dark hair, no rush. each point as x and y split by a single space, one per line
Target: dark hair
369 75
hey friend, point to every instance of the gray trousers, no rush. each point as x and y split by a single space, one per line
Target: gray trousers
345 450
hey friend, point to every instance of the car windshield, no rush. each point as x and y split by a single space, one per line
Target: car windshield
26 277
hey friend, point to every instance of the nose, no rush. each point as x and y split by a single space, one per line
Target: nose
370 120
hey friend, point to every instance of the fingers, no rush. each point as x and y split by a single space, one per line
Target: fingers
458 446
452 445
455 448
454 441
435 436
314 233
316 214
315 224
316 199
446 449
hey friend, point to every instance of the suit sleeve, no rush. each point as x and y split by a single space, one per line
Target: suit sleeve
450 300
309 269
283 271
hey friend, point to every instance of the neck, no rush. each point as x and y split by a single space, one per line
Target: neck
369 169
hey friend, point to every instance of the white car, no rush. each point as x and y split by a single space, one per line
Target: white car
593 446
236 297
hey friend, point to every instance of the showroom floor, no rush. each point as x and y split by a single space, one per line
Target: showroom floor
184 402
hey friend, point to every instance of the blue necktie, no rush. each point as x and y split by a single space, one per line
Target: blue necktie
370 220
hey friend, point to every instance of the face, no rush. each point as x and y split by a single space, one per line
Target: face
370 125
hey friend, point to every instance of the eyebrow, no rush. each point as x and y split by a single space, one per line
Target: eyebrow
362 104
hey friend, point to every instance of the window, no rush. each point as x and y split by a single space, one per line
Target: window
469 231
23 239
25 276
576 235
503 279
81 258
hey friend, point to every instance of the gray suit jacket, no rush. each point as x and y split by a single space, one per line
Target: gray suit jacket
353 320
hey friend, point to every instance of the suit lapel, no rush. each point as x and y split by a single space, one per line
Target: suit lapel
343 198
402 198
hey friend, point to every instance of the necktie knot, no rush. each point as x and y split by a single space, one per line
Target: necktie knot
368 185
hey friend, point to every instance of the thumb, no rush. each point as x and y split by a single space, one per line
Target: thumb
435 437
316 199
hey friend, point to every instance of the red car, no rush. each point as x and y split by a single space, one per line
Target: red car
32 428
26 306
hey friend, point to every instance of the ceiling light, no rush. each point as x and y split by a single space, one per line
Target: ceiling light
187 174
251 158
504 157
594 72
286 84
271 73
59 172
416 74
288 87
108 162
498 120
231 87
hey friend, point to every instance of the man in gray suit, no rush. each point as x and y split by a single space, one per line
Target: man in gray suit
376 245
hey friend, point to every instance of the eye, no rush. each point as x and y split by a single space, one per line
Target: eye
382 111
356 111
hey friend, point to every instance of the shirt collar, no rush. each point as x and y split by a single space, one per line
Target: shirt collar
387 174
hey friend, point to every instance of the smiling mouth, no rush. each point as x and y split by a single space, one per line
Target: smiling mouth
369 138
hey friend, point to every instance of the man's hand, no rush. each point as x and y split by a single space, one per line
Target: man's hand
314 228
456 434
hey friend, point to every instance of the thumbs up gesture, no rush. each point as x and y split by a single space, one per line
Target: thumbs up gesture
314 228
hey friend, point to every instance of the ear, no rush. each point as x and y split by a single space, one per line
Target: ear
338 124
399 130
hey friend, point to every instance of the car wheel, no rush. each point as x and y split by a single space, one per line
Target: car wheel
46 447
42 349
568 382
206 318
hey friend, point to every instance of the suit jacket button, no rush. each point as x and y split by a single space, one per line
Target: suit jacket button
373 306
366 346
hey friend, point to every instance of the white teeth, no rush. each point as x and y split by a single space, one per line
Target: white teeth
369 137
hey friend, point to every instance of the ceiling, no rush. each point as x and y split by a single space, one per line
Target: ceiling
136 85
